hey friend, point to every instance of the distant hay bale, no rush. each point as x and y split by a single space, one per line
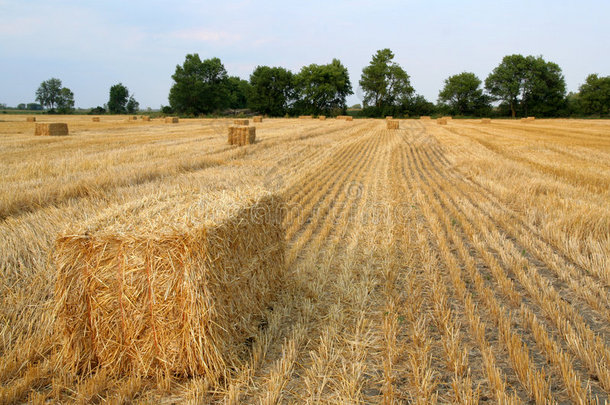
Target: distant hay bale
146 118
171 120
30 119
51 129
528 119
388 117
322 117
441 121
424 117
241 135
485 121
305 117
135 118
391 124
241 122
345 117
95 119
258 118
171 285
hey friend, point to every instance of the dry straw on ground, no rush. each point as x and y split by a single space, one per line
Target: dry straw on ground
171 120
392 124
305 117
447 117
52 129
241 122
30 119
174 284
486 121
257 118
241 135
424 117
441 121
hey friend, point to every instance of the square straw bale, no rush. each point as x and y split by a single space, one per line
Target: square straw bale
241 122
441 121
258 118
392 124
171 120
30 119
322 117
170 284
51 129
95 119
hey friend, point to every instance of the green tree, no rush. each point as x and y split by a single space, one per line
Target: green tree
65 101
119 95
418 105
238 92
594 95
464 95
21 106
48 93
200 87
323 88
272 90
385 83
132 105
528 84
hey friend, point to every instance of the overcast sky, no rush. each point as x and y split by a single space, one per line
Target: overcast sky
91 45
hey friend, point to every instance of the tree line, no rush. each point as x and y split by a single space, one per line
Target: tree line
518 86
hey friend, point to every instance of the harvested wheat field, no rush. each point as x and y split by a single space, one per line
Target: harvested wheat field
460 263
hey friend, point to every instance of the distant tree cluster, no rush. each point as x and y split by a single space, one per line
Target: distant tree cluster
518 86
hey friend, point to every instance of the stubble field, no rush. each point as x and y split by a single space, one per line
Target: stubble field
458 263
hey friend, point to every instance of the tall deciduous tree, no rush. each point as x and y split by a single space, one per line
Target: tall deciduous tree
48 92
238 92
464 95
200 87
385 83
594 95
65 101
117 102
272 90
528 84
323 88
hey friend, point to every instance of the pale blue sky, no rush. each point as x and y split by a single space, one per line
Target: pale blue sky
91 45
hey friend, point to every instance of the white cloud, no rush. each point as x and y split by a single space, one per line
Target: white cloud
203 35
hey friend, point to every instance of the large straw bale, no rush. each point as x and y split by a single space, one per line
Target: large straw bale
345 117
30 119
51 129
171 284
441 121
424 117
146 118
322 117
257 118
171 120
389 117
95 119
486 121
241 122
241 135
392 124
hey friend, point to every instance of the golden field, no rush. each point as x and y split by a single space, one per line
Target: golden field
456 263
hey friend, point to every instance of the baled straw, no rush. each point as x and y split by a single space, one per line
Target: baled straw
391 124
172 284
146 118
258 118
241 135
305 117
322 117
51 129
30 119
388 117
486 121
171 120
241 122
441 121
95 119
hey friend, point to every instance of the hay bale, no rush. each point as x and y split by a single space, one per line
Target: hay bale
258 118
241 135
391 124
241 122
305 117
95 119
485 121
146 118
135 118
30 119
51 129
441 121
424 117
388 117
322 117
345 117
171 120
530 119
173 284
